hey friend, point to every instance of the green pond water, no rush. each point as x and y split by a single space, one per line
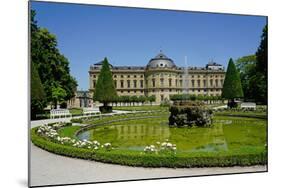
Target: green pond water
226 134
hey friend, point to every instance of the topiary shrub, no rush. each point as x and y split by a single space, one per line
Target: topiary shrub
190 114
105 109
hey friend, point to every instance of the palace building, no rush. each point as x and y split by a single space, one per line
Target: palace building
162 77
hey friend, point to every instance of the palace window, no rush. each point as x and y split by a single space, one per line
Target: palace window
115 83
181 83
162 97
128 83
141 83
135 83
176 83
122 76
198 83
217 83
122 84
94 83
94 75
153 82
170 82
141 76
162 82
115 76
128 76
211 83
135 76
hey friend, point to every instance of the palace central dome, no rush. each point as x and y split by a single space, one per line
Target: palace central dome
161 60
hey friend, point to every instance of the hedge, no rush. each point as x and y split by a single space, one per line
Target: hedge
133 158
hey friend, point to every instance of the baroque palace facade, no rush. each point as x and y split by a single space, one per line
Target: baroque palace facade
162 78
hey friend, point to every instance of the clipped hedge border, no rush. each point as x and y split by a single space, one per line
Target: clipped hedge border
131 158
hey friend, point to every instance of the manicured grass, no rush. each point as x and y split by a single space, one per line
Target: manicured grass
141 108
254 114
68 131
76 111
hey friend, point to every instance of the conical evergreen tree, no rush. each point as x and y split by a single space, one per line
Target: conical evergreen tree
232 84
105 91
37 93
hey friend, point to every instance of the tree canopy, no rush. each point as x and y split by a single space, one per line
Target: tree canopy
105 91
253 72
37 93
246 66
52 66
232 84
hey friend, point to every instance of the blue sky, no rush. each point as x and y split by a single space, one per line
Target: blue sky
127 36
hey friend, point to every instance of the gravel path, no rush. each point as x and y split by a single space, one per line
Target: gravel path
48 169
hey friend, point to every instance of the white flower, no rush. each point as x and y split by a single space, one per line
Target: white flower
169 145
164 144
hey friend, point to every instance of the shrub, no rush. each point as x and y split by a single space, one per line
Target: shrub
79 120
105 109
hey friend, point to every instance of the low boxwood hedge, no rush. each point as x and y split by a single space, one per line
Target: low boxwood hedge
133 158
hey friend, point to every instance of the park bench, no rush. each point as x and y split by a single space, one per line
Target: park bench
60 113
91 111
248 105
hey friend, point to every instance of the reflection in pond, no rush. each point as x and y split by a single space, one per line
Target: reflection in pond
222 136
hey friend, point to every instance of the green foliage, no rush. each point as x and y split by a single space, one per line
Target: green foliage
253 72
37 93
262 63
246 66
105 91
262 52
78 120
58 94
232 85
184 97
151 99
53 67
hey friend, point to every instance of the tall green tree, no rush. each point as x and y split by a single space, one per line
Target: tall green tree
53 67
246 66
37 93
232 87
253 72
259 80
105 91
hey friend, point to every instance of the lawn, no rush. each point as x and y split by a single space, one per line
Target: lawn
142 108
